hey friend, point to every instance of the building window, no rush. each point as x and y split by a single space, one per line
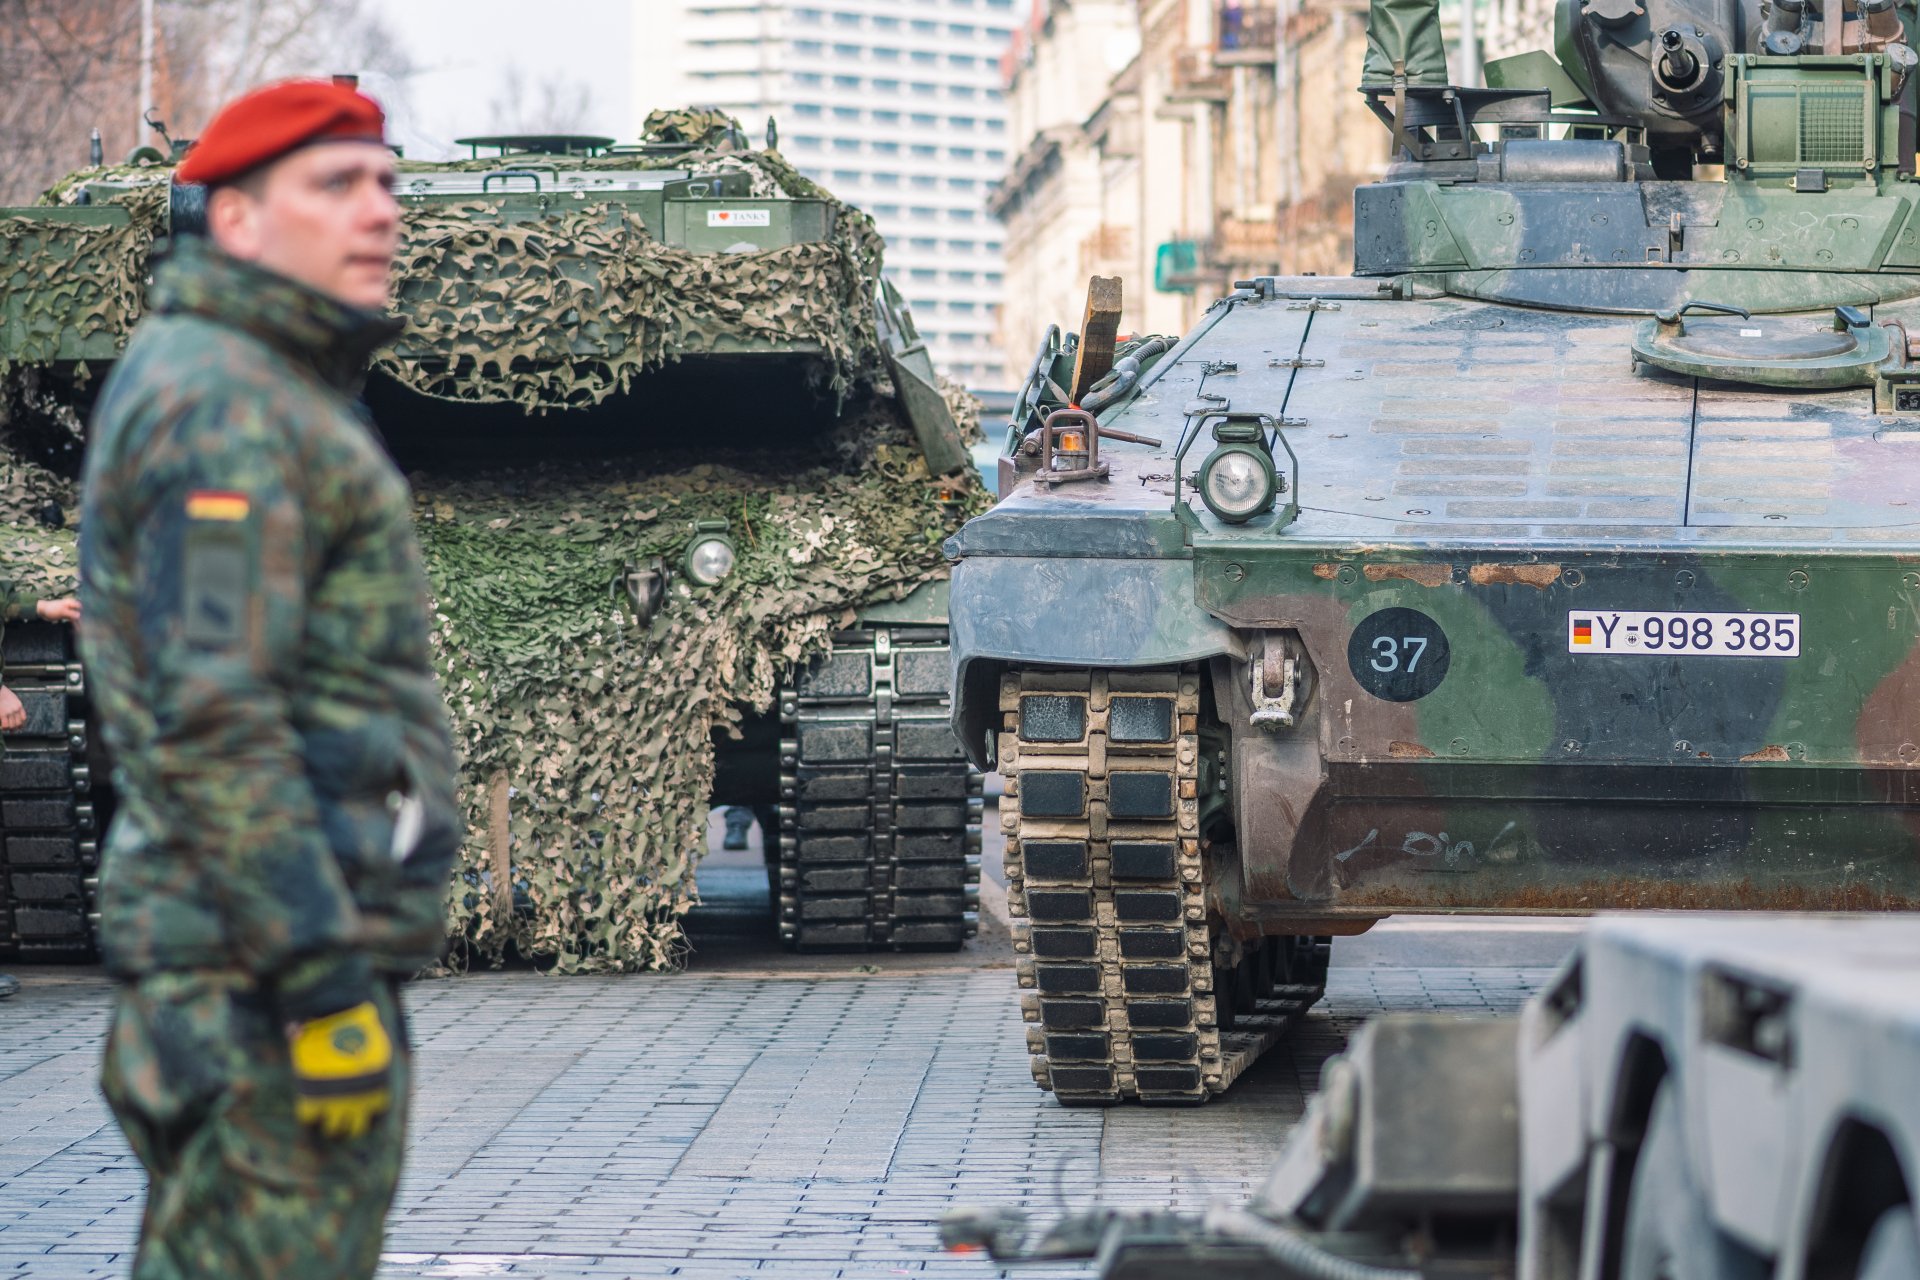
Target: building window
885 86
809 79
923 150
925 181
922 27
925 275
960 122
923 120
886 55
886 117
960 29
885 210
887 180
925 58
809 48
806 142
886 148
960 153
846 178
960 277
809 16
846 82
961 215
846 19
962 184
925 244
923 212
996 157
808 110
922 89
846 113
960 308
961 246
961 91
846 50
886 24
846 144
991 277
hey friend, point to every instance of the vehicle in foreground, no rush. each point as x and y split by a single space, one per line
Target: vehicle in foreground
1561 559
681 467
1712 1098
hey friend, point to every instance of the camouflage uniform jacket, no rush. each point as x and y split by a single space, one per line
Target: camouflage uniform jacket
257 641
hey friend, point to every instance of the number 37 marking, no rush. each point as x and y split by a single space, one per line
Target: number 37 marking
1388 651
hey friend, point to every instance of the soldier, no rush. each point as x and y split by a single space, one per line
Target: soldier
13 713
257 638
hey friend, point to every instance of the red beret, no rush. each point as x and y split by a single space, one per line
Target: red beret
274 119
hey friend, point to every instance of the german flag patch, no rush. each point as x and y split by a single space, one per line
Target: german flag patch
217 504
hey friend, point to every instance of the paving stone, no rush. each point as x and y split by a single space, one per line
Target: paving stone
705 1126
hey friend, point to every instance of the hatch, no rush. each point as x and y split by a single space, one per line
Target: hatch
1730 344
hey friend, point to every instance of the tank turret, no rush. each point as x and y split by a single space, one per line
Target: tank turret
1747 154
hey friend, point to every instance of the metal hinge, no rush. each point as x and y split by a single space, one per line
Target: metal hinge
1276 684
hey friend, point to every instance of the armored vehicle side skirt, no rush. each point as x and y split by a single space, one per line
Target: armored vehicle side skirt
1128 990
48 849
879 809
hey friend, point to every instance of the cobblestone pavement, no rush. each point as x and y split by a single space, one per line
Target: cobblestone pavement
757 1115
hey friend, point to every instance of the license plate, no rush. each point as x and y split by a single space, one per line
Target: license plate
1721 635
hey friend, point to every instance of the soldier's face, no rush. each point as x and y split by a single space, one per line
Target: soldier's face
324 215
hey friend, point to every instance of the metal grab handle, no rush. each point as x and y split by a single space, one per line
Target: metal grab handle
486 180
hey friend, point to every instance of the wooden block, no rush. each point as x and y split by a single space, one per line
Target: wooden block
1097 332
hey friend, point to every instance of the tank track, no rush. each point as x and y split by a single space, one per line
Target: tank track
49 849
1128 988
879 809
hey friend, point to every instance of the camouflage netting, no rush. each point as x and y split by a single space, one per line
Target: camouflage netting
559 312
585 738
591 735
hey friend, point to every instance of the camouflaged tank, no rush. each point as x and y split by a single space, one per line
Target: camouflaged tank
1565 557
682 470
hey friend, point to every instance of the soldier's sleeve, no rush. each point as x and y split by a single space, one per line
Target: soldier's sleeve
15 606
220 546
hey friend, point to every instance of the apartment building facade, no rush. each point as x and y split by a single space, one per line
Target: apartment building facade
895 105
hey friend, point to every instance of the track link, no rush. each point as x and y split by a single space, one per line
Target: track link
1128 989
879 809
49 851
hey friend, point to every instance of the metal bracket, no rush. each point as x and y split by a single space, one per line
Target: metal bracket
1313 304
1276 684
1296 362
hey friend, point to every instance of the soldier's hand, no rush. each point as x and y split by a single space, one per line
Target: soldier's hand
65 609
13 713
342 1070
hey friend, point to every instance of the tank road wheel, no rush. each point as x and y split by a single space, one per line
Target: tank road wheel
49 851
1116 955
879 841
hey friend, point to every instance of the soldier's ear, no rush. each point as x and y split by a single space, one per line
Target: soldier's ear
234 220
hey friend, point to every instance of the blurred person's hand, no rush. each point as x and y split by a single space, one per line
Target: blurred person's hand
65 609
13 713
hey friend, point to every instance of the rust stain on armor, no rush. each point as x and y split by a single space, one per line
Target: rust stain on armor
1409 751
1772 753
1426 574
1537 576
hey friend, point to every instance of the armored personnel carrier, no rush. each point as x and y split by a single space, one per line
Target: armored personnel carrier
1562 558
682 467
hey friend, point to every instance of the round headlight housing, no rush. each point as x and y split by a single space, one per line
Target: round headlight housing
710 557
1237 482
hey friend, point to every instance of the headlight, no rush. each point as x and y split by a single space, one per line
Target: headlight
709 557
1237 482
